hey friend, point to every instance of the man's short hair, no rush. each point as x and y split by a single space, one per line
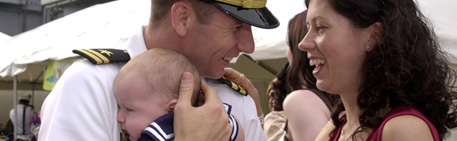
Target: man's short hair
159 8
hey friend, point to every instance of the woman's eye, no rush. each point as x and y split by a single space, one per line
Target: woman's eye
320 29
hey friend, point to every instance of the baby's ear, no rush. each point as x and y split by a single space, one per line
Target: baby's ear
171 105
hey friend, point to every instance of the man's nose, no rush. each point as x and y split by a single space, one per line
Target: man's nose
245 39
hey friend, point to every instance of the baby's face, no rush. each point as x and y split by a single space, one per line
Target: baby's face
138 107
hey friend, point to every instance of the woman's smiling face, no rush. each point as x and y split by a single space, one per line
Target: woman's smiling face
335 47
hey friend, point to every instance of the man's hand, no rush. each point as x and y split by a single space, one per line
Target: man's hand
207 122
240 79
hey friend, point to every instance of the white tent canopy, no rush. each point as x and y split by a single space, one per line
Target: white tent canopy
101 26
4 37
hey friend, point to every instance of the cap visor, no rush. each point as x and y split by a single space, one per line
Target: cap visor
259 17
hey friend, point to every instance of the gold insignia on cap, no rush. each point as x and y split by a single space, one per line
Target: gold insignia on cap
246 3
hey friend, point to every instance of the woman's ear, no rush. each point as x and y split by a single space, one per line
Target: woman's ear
182 16
377 31
171 105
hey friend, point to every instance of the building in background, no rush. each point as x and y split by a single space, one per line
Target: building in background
17 16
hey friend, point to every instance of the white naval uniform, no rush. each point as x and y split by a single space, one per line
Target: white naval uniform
82 105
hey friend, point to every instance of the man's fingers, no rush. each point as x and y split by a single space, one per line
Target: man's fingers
210 117
245 81
213 104
201 99
186 89
231 74
240 79
237 77
212 101
210 95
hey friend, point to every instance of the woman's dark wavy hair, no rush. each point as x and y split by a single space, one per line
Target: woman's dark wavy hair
288 78
406 66
277 91
297 75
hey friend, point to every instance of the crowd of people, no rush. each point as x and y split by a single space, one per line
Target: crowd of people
356 70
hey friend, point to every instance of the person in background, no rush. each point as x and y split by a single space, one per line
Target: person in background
8 130
274 123
24 114
208 32
35 125
382 58
305 110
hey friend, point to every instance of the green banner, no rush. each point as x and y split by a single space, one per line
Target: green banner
54 71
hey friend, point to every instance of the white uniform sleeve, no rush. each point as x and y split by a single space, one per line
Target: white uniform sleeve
251 121
81 106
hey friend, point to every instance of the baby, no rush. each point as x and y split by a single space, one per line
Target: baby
146 90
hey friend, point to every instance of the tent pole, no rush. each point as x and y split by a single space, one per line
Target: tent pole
33 94
15 105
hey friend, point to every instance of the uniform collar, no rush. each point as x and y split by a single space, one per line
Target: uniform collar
136 44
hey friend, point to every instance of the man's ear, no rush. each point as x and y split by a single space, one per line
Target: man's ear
182 17
171 105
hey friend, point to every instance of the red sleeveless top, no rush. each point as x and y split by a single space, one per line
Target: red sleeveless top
376 134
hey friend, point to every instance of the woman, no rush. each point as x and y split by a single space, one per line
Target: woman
306 108
383 61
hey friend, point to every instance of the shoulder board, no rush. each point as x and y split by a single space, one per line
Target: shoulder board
103 56
234 86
